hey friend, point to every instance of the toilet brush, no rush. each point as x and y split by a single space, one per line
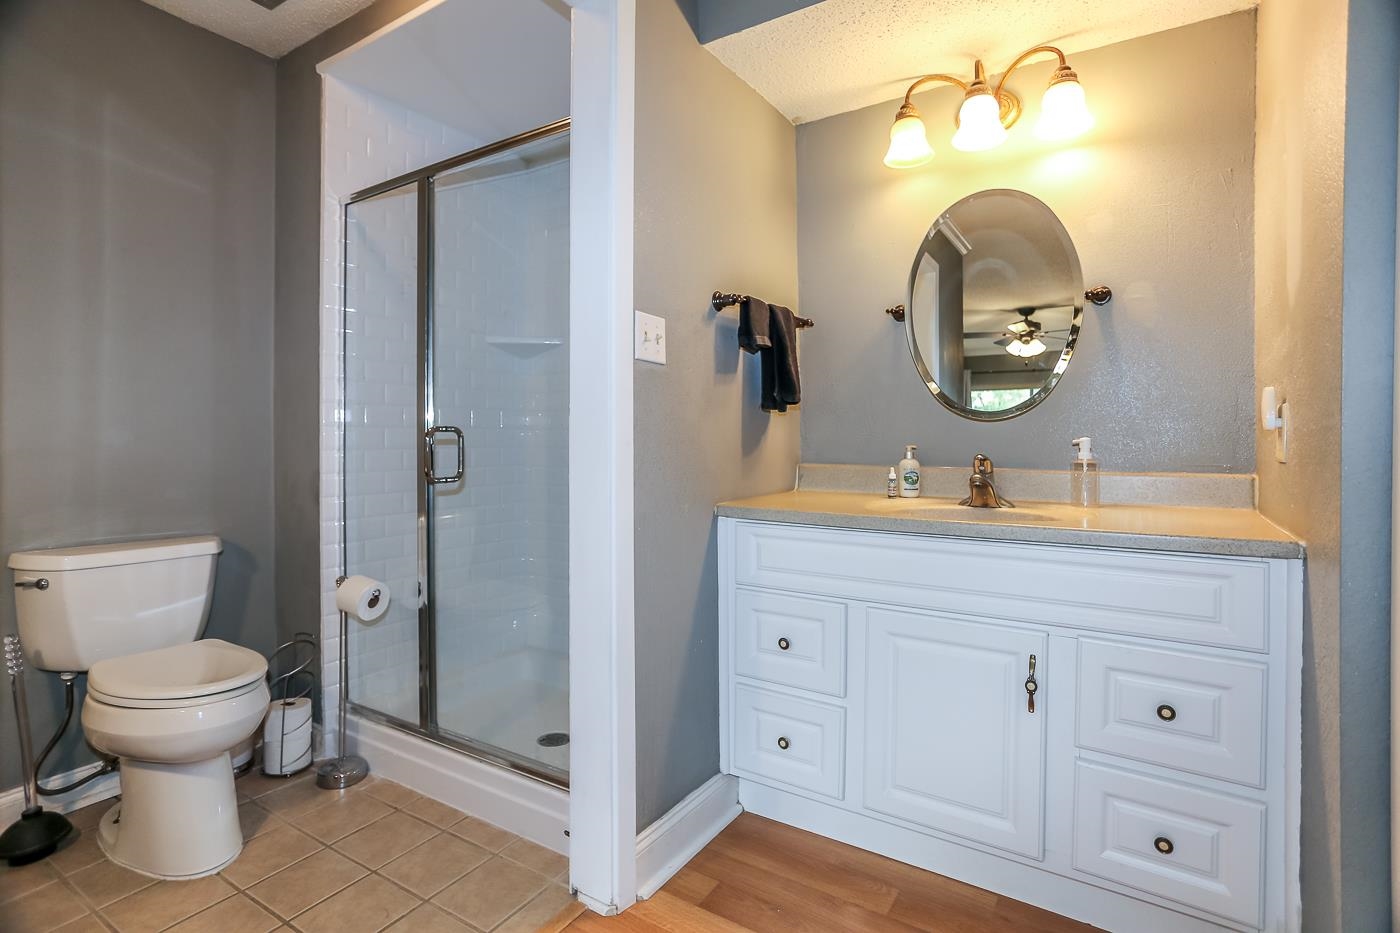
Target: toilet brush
38 832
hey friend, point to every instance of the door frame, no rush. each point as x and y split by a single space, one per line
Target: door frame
602 676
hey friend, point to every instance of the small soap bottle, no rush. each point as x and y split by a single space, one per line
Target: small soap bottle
909 473
892 484
1084 475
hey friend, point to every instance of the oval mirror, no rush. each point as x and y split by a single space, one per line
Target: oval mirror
996 298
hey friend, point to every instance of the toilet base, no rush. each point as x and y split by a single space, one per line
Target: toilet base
174 822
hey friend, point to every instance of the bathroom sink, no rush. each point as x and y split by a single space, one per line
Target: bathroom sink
948 510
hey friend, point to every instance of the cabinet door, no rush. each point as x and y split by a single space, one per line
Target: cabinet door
950 743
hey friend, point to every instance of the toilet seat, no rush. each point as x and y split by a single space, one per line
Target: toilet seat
192 674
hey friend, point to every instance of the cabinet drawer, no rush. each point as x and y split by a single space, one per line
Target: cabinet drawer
782 738
790 640
1185 711
1194 846
1203 600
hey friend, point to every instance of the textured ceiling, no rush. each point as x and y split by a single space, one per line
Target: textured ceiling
271 32
841 55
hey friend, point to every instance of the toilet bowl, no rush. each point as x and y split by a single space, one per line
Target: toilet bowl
172 715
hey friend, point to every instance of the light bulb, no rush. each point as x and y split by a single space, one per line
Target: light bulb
908 142
1026 348
1063 112
979 122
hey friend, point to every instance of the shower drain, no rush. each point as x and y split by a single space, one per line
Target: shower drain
553 739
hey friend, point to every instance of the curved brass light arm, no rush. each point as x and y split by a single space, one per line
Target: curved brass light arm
928 79
1021 59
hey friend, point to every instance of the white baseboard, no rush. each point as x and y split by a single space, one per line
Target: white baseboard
665 846
529 808
103 788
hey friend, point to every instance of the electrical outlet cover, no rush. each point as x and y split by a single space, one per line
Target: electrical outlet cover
649 338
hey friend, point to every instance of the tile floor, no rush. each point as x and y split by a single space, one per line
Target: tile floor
375 857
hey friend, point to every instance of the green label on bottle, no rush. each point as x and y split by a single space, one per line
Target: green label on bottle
911 478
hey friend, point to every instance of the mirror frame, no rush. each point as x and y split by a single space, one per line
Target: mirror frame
1076 322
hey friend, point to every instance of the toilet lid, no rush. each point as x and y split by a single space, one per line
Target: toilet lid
198 669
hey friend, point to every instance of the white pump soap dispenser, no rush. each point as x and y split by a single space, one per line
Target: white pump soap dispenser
1084 475
909 484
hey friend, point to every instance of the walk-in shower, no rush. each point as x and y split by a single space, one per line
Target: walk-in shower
455 407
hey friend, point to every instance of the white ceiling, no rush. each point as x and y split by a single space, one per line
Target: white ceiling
271 32
841 55
487 68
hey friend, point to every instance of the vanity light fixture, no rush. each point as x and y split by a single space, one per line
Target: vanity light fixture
987 113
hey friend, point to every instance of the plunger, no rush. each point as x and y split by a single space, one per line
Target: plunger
38 832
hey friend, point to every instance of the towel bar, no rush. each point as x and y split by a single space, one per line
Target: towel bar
721 300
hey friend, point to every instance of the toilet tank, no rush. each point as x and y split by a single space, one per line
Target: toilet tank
79 605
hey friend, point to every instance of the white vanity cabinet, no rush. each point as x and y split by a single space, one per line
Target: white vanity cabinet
1142 773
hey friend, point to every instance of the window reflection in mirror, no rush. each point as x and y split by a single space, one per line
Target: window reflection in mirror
995 304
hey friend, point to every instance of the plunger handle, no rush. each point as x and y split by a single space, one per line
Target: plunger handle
14 664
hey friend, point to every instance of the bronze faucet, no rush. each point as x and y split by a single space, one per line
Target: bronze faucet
981 486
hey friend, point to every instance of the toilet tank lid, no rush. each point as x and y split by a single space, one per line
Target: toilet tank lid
114 553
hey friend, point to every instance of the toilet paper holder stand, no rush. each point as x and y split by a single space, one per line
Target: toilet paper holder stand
296 662
340 773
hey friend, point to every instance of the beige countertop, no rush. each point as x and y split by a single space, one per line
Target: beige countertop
1197 530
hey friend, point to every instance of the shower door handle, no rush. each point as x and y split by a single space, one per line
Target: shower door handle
429 470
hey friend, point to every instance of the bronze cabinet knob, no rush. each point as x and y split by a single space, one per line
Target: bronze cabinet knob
783 743
784 644
1164 845
1166 713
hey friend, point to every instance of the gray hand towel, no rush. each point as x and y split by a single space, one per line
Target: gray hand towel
754 318
782 385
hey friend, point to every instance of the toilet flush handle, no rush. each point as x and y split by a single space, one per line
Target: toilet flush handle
40 584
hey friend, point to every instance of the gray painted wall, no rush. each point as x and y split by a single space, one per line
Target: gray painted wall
1324 320
714 19
715 208
136 262
1158 199
1368 327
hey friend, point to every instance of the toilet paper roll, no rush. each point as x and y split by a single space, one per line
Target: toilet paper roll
286 716
291 737
275 765
285 754
362 597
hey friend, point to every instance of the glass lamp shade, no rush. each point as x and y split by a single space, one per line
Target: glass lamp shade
1063 113
908 144
979 123
1026 348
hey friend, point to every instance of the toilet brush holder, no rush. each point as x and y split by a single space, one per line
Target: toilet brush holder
38 832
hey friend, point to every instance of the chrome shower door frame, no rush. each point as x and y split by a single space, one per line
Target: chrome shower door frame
427 726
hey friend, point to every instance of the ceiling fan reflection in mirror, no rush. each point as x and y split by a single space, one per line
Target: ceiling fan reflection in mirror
1025 338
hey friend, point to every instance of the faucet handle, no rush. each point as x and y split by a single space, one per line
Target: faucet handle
982 465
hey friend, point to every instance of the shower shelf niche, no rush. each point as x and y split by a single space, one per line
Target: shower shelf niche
525 346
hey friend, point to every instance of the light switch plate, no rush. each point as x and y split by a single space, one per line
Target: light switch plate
649 339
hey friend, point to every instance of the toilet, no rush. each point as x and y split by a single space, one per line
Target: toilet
168 705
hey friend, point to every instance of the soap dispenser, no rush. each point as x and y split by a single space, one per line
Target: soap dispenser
1084 475
909 473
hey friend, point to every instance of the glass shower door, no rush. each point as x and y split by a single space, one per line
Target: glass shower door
382 479
498 537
